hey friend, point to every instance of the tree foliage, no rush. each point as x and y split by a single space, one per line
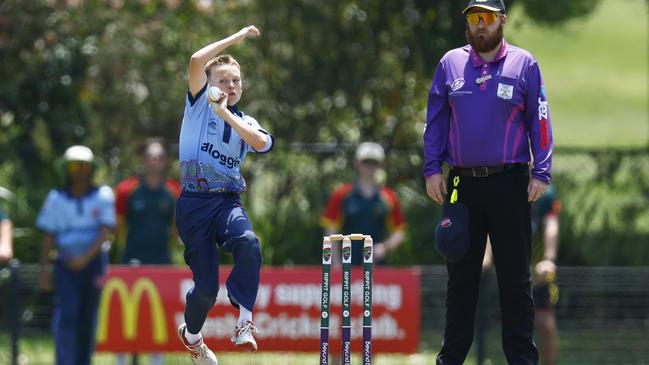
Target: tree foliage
549 13
323 77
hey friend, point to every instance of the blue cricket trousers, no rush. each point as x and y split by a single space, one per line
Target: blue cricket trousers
76 300
203 221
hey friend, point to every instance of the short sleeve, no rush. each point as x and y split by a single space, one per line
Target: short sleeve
395 217
253 123
196 105
332 217
48 219
173 186
123 192
106 206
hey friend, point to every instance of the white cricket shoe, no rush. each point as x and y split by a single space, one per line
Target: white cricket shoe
201 355
243 336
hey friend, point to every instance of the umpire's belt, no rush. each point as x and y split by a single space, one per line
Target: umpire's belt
484 171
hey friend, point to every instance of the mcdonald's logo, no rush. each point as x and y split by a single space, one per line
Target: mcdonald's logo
130 302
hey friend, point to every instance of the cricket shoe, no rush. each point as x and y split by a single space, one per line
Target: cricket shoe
243 336
201 355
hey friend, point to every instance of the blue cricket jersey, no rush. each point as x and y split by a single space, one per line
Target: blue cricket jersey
75 221
211 152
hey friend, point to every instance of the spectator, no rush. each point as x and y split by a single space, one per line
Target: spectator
365 206
145 210
76 220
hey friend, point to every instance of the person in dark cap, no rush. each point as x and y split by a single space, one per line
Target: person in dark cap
487 118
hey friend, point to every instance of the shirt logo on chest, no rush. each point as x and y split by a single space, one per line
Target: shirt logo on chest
457 84
211 128
505 91
483 79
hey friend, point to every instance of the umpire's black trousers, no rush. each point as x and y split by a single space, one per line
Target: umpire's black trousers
498 207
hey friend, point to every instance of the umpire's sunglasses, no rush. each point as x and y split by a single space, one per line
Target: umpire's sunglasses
488 18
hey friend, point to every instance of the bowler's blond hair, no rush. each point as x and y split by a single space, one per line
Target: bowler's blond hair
220 60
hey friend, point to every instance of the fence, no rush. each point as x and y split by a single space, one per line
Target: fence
603 314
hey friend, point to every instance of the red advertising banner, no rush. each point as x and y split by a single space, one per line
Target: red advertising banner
141 308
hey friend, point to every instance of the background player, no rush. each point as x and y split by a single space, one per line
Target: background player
76 220
365 206
145 210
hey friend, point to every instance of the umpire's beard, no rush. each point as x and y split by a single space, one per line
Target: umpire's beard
488 43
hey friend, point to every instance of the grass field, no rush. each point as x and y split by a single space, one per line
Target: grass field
38 350
596 72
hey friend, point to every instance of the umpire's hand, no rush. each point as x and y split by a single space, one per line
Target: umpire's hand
535 189
436 187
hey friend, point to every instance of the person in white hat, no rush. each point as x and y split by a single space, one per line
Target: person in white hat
365 206
76 221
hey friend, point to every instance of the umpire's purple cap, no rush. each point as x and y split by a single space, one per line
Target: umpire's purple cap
452 239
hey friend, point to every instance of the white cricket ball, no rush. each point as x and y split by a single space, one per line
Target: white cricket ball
214 94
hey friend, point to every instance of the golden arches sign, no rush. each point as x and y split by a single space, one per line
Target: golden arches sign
130 302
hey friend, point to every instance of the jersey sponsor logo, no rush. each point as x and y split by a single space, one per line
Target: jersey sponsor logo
545 135
224 160
505 91
483 79
457 84
446 222
211 128
543 109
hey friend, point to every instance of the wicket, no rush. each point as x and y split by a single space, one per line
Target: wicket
366 353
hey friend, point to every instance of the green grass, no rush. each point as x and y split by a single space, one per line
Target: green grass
37 349
596 73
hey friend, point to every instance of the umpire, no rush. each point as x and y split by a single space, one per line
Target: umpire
487 118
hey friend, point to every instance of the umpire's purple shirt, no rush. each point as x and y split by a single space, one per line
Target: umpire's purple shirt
488 114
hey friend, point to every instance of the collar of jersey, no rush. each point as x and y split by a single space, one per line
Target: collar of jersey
477 61
235 110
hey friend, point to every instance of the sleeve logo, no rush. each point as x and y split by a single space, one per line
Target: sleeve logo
543 109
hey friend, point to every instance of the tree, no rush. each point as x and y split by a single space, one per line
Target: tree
108 74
